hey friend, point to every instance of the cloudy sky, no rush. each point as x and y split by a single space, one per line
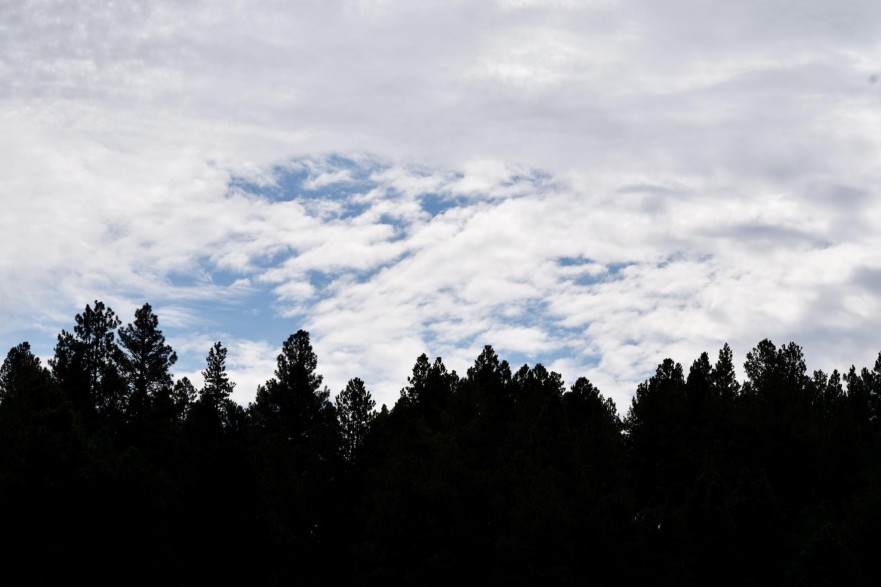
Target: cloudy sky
591 185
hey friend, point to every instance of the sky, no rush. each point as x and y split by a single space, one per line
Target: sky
591 185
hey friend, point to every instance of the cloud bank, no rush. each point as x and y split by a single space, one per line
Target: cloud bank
591 185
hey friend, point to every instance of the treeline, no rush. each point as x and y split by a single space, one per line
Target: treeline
112 470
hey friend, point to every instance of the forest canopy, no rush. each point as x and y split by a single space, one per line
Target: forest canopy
109 465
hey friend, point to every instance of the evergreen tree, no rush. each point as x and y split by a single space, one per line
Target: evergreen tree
483 404
488 383
355 408
216 473
44 458
299 460
723 378
660 466
218 388
293 400
598 497
698 383
864 393
146 362
778 376
657 403
411 395
429 392
214 408
585 404
22 377
86 364
781 419
538 409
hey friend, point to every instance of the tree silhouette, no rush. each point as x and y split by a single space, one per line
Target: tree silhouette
723 378
429 391
214 411
501 477
298 461
355 409
216 473
86 364
218 387
23 380
46 462
293 400
146 363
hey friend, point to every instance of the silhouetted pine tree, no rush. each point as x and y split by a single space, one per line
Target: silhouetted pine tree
355 409
86 365
218 479
299 464
46 474
145 365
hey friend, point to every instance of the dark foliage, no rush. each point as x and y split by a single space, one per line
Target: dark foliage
108 466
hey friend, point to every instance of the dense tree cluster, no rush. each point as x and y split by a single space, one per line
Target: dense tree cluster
112 470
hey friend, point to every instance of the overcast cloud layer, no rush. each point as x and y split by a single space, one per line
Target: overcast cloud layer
591 185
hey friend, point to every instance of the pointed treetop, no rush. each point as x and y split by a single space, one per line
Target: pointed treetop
217 387
147 360
297 362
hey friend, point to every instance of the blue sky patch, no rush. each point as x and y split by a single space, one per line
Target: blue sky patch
301 180
436 204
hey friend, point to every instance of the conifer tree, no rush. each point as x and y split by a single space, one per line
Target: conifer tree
214 410
24 381
218 387
429 390
355 408
146 362
293 400
86 363
723 378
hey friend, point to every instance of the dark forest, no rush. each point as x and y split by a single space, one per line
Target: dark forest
112 470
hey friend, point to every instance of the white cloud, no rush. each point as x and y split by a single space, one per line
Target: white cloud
328 178
713 167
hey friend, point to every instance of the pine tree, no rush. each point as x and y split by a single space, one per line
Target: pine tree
214 410
217 386
355 409
723 378
146 362
293 401
86 363
298 459
24 382
430 390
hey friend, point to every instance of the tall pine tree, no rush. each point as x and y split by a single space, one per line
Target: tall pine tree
355 408
86 364
146 363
